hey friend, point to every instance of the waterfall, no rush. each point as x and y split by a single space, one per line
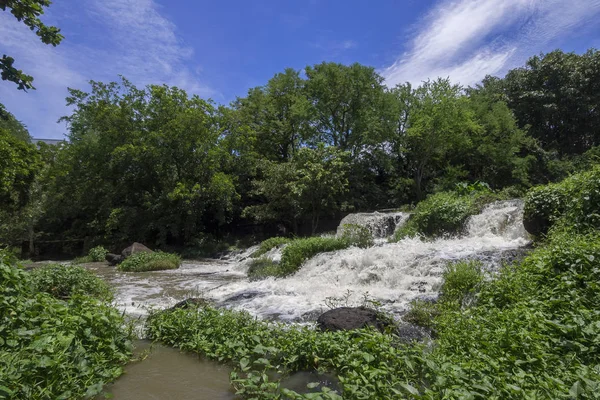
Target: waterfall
390 273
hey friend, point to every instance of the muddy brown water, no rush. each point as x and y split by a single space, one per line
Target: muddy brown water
169 374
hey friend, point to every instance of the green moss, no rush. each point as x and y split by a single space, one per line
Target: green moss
155 261
301 250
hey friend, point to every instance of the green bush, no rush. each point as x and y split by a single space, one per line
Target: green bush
56 349
576 199
263 267
443 213
422 313
461 279
269 244
97 254
64 281
357 235
301 250
155 261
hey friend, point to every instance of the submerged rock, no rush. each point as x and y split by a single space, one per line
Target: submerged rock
348 318
191 302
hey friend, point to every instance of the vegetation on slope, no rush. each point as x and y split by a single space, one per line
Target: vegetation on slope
56 348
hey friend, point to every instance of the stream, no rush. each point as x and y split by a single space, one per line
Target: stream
393 274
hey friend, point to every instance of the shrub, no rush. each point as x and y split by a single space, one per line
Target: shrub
460 280
357 235
263 267
300 250
422 313
97 254
155 261
56 349
576 199
441 213
269 244
64 281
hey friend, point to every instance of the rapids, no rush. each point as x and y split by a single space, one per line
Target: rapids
392 274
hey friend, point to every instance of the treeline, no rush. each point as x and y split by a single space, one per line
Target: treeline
157 165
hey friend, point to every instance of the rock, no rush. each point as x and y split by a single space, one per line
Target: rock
114 259
347 318
408 333
191 302
536 224
135 248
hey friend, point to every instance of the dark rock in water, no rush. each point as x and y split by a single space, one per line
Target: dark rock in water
135 248
347 318
191 302
408 333
242 296
114 259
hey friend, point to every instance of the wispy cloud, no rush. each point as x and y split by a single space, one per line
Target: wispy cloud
469 39
133 39
334 48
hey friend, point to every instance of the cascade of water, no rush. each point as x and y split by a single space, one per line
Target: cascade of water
391 273
381 225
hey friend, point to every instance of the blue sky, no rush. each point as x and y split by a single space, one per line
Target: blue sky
220 49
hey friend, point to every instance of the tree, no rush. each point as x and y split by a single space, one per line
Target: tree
440 126
28 12
346 102
278 114
142 164
557 95
309 185
9 123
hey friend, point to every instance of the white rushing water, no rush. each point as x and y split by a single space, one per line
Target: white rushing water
391 273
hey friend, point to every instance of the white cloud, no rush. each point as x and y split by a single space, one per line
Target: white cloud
469 39
136 41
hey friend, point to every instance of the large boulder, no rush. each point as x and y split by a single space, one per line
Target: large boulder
135 248
347 318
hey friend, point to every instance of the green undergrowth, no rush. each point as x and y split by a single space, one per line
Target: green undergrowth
155 261
574 202
64 281
530 332
52 348
445 213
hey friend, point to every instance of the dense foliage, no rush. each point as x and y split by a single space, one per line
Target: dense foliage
156 261
56 349
573 201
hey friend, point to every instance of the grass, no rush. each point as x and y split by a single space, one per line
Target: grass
54 348
269 244
156 261
261 268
